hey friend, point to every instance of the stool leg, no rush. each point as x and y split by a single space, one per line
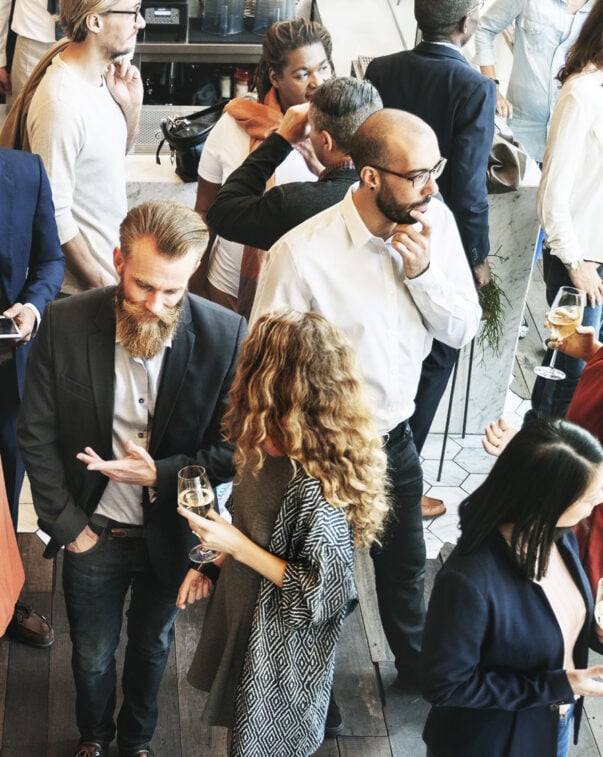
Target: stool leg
468 390
448 414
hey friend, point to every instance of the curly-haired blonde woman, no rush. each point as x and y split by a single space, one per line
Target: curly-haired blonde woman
310 473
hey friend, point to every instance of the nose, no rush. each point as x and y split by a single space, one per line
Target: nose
154 303
139 20
431 187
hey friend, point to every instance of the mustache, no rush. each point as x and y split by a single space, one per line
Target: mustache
169 316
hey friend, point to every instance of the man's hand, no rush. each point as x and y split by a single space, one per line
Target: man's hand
5 85
413 245
503 106
125 85
482 274
25 318
195 586
294 126
138 467
581 344
586 277
84 541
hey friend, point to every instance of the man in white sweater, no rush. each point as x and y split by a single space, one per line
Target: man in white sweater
83 119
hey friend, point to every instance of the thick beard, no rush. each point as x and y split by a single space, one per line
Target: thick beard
394 211
144 338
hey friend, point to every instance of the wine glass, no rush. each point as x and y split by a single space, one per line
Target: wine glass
563 318
196 494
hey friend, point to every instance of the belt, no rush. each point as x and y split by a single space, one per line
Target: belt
115 529
396 433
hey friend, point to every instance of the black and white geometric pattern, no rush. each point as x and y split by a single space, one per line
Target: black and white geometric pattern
283 695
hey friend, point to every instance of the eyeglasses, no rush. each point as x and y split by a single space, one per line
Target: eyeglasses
134 12
419 178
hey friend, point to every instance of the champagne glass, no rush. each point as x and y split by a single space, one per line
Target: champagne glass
196 494
599 604
563 318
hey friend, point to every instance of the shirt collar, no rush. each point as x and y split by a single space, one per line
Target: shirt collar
342 165
359 233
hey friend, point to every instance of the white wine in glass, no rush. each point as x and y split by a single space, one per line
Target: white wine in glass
195 493
565 315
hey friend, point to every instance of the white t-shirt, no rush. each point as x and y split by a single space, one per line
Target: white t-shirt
81 134
226 148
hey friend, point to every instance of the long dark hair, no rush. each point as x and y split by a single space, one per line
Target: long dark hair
588 47
545 468
281 39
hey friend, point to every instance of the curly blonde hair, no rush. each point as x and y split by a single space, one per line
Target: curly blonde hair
297 385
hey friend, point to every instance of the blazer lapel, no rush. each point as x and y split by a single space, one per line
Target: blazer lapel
101 364
172 377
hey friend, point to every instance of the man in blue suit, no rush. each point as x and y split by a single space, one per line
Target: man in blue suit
435 82
31 272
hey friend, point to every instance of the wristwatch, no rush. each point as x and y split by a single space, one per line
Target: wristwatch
573 265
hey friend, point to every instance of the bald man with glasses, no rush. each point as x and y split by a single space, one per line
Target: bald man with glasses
386 265
82 121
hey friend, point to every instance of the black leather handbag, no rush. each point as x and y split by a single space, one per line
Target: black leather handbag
186 136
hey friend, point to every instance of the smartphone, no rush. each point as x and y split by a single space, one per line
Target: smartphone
9 329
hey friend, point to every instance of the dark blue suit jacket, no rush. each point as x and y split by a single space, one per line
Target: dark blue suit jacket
31 260
436 83
492 657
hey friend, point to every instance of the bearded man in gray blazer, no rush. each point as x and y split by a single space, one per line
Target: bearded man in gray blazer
125 386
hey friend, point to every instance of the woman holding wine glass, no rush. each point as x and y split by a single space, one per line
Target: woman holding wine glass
570 198
310 484
510 619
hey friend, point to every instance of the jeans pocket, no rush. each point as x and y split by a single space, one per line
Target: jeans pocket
80 555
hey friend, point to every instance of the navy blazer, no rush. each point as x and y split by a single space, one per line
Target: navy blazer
68 404
436 83
31 259
492 656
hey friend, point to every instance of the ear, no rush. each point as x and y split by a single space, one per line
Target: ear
370 177
94 23
274 80
118 261
327 141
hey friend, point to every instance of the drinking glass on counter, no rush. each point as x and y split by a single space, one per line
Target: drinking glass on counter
563 318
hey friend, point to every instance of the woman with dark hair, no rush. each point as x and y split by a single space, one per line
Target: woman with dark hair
510 618
296 59
570 198
310 483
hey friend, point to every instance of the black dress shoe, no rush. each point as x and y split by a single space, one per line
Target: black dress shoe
29 627
91 749
146 752
334 724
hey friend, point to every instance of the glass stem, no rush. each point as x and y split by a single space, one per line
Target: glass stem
553 358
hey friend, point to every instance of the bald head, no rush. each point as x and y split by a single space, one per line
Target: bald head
388 135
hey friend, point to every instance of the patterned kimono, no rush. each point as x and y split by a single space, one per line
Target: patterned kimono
283 694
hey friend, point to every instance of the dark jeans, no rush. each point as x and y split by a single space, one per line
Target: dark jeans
552 398
400 561
435 373
12 463
95 584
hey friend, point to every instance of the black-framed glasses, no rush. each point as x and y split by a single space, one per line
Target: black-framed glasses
420 177
134 12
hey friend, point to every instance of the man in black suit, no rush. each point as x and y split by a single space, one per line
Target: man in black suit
31 273
126 386
435 82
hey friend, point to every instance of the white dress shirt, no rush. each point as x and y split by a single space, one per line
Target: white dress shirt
570 195
333 265
135 393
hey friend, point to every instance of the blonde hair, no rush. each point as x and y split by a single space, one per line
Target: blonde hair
297 385
73 15
176 229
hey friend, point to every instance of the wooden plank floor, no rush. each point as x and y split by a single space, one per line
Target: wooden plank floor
37 696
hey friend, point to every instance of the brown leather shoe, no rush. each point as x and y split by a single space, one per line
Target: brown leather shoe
432 507
29 627
90 749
